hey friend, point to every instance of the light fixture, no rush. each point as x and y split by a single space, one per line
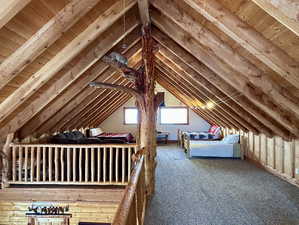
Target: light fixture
210 105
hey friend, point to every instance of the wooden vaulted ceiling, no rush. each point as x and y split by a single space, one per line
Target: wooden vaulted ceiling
242 55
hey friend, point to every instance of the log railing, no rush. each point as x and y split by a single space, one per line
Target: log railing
131 210
70 164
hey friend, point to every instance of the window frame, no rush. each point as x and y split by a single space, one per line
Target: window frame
173 107
124 115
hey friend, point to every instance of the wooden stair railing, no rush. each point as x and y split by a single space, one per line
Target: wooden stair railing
131 210
70 164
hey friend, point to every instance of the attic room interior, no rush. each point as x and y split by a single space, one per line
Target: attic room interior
154 112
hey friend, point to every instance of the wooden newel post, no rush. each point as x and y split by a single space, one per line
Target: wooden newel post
6 160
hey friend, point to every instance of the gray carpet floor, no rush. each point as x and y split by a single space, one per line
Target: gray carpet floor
218 191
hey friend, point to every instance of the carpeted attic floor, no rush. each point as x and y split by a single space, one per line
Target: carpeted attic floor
218 191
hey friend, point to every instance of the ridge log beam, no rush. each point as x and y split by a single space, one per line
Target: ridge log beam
143 6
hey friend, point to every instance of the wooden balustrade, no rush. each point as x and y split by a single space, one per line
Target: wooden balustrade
131 210
70 164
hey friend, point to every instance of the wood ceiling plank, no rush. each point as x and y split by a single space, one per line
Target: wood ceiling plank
248 38
43 38
221 97
110 112
114 103
78 85
9 8
187 88
36 81
218 48
208 77
284 11
71 75
88 110
262 100
190 77
186 99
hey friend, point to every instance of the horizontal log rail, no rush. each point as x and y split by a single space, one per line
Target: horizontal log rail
131 210
70 164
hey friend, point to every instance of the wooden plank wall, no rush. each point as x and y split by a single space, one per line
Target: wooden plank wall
273 154
13 213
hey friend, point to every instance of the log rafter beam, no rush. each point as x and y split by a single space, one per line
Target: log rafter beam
190 77
131 91
43 38
69 52
193 92
218 48
67 115
100 105
258 97
9 9
284 11
208 77
250 39
78 91
66 83
187 99
102 96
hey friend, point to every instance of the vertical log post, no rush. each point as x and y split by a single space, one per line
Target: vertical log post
146 100
6 160
145 83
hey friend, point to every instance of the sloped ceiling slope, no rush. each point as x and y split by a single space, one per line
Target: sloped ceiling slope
240 55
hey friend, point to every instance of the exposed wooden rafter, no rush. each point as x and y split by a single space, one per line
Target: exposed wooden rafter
193 92
9 9
218 48
67 78
43 38
38 79
131 91
248 38
238 81
190 77
284 11
208 77
98 72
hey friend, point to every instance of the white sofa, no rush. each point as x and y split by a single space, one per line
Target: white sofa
228 147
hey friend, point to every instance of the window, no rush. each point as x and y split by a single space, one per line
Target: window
174 115
130 115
